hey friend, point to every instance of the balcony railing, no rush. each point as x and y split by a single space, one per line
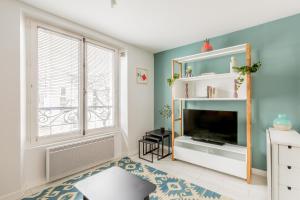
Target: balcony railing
61 116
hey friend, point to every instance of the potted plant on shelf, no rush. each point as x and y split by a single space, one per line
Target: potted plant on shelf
243 71
172 80
188 71
165 113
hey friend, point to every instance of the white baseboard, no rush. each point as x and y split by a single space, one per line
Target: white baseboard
259 172
124 154
12 196
133 153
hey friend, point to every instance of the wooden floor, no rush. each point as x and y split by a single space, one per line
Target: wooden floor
224 184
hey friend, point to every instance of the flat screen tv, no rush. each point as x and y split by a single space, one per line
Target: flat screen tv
217 127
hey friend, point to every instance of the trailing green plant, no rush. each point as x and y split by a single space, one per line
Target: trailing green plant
172 80
244 70
166 112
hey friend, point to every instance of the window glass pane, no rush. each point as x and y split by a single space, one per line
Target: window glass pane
58 83
99 87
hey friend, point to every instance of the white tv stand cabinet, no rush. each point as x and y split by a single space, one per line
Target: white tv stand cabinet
227 158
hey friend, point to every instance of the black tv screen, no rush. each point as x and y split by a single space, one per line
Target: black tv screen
211 126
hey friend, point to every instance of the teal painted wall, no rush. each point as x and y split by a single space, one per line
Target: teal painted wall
276 87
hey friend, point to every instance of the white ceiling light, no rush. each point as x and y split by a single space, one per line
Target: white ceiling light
113 3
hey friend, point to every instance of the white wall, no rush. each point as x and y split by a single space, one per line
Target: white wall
140 99
10 153
16 175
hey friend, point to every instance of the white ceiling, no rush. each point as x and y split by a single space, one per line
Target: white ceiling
158 25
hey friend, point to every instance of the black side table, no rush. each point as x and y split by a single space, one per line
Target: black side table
153 142
162 136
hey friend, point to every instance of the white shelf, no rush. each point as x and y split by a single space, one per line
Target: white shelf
197 88
209 76
225 147
213 54
211 99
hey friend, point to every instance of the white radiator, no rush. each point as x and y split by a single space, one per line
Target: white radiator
68 159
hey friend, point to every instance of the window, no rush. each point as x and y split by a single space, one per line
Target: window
100 63
72 84
58 83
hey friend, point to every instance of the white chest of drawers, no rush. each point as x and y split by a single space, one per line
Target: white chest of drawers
283 163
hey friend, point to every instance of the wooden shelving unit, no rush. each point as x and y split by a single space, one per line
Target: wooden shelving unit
226 96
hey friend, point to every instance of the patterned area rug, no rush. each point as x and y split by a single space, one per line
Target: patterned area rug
168 187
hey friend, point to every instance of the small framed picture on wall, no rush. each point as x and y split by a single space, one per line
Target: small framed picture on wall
142 75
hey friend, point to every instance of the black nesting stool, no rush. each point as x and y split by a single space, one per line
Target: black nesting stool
152 143
152 140
162 136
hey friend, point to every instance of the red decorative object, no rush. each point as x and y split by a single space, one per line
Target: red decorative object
144 77
206 46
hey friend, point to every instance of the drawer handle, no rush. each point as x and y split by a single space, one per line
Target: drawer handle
289 147
289 188
289 167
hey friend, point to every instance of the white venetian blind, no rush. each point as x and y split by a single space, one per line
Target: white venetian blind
100 62
58 83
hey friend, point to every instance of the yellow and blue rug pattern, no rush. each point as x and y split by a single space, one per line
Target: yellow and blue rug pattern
168 187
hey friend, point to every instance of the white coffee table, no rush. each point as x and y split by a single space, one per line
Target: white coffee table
113 184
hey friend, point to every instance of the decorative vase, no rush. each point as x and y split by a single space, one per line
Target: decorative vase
235 94
188 74
282 123
206 46
186 90
162 129
233 63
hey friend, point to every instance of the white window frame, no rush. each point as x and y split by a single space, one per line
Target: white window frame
32 83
